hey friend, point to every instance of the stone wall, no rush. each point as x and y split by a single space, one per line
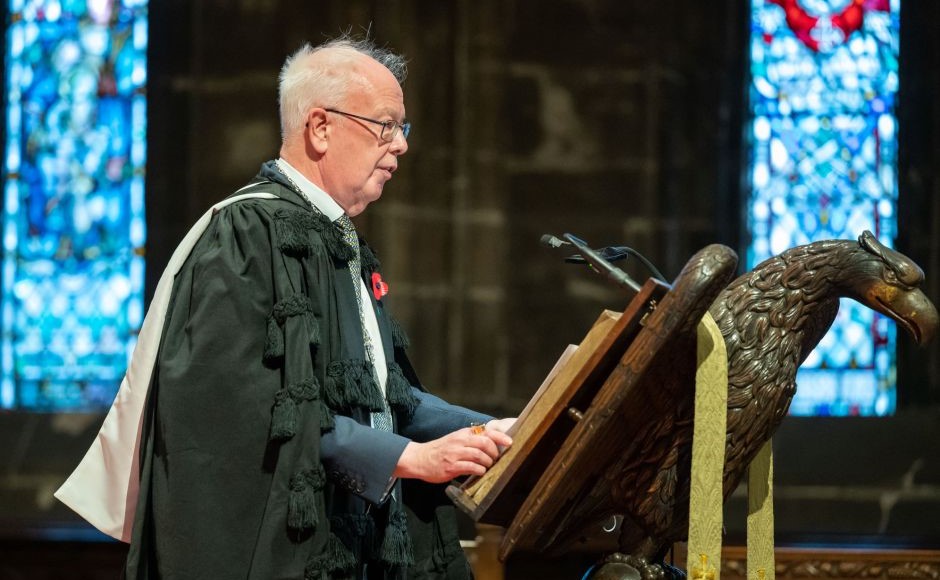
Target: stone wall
600 119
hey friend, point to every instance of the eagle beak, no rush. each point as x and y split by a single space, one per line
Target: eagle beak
909 308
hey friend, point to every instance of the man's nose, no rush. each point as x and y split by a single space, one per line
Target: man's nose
399 144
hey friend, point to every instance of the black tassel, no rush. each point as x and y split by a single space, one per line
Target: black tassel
353 389
283 417
399 391
396 545
273 345
316 570
333 391
285 414
361 524
305 390
335 244
352 524
293 305
369 394
313 328
316 477
338 556
301 504
350 383
399 337
334 562
368 259
327 422
291 229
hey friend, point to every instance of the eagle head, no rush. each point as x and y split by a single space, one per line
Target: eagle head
889 283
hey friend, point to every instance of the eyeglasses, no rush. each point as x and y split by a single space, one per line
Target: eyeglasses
389 128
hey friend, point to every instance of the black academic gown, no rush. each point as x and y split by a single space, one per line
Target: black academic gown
261 356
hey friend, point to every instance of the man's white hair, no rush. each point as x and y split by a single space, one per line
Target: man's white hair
311 79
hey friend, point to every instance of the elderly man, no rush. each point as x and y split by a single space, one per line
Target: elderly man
285 434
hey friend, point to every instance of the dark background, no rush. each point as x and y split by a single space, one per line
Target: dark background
619 121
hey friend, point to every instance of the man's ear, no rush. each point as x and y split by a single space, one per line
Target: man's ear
318 130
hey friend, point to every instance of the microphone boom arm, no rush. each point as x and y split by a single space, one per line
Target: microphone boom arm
602 266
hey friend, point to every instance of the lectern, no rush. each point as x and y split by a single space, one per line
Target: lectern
608 433
611 433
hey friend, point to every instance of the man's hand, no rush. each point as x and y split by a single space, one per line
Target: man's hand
459 453
501 425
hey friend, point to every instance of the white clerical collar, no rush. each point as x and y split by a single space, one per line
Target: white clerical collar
319 198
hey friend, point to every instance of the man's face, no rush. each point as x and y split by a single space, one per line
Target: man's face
357 162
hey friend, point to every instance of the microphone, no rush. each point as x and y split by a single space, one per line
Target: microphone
609 253
618 276
553 242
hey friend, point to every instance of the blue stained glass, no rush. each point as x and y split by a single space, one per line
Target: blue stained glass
73 220
823 166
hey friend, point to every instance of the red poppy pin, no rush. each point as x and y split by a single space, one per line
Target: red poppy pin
379 287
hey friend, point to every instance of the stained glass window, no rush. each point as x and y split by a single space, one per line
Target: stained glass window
824 79
73 191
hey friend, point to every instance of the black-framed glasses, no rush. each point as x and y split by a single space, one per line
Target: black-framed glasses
390 129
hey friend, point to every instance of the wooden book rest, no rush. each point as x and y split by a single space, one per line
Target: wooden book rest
553 412
580 445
